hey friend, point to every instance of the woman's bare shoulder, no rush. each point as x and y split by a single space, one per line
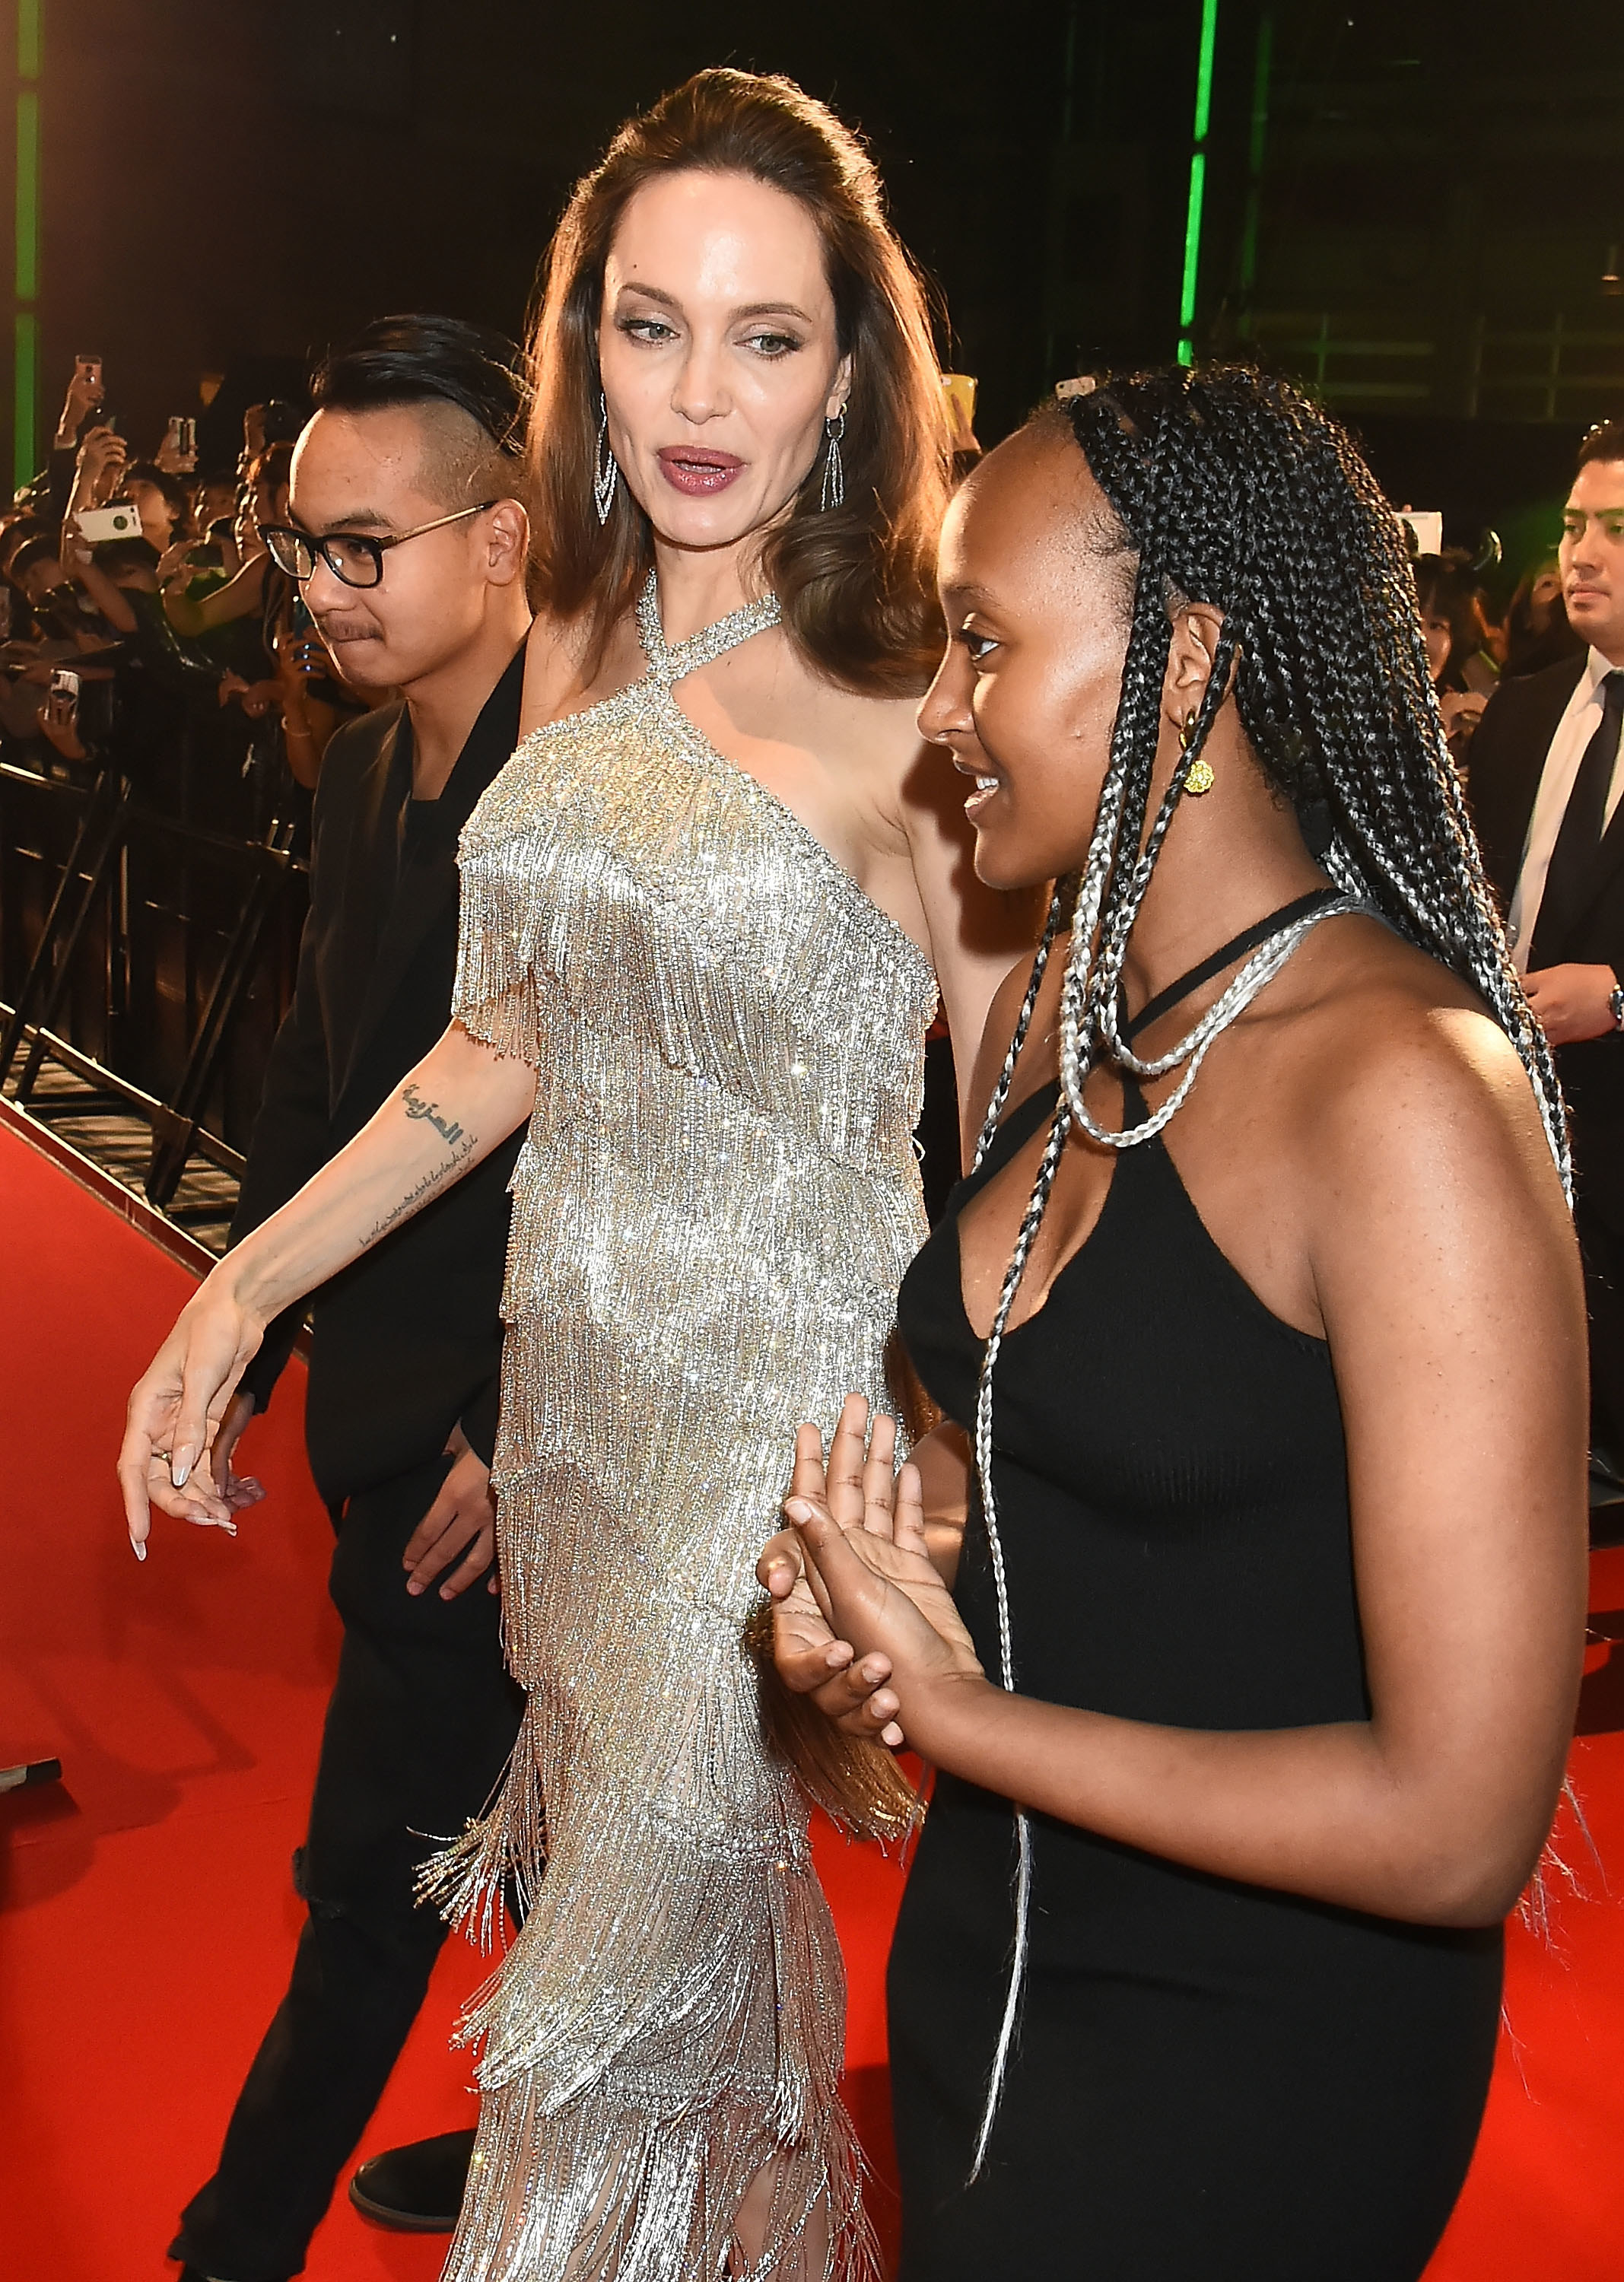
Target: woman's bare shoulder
1401 1071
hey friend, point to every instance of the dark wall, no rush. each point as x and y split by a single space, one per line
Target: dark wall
231 185
225 182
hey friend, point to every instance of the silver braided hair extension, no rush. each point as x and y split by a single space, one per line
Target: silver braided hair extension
1211 474
1023 1023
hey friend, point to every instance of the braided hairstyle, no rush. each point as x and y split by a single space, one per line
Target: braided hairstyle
1230 488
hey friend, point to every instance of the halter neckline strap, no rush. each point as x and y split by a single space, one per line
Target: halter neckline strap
669 662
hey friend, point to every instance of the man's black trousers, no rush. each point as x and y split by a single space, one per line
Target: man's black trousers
421 1723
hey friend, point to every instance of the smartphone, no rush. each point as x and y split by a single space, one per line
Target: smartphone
87 369
959 388
99 525
65 682
1426 529
183 436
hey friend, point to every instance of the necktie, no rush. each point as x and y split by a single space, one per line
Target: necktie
1573 860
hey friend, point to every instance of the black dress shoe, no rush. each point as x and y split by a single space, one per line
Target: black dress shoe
415 2190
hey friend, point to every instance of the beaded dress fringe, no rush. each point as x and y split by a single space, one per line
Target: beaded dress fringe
713 1210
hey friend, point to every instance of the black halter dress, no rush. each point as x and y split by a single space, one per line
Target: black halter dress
1214 2082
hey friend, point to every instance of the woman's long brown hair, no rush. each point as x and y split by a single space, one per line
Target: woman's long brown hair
856 583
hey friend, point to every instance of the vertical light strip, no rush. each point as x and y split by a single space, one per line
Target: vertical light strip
26 274
27 194
1197 181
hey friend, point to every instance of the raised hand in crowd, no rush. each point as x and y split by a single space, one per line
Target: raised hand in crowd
84 396
59 721
103 457
170 457
306 724
79 560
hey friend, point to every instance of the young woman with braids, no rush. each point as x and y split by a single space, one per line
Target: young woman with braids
1262 1313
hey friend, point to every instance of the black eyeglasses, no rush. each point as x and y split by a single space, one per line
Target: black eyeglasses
354 556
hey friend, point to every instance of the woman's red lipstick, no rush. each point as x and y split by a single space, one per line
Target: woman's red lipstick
689 468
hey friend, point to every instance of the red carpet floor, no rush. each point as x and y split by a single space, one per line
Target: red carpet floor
148 1921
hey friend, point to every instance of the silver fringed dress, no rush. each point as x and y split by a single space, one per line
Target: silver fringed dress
711 1214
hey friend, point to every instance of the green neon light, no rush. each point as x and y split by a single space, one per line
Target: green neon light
1193 239
27 39
1198 179
27 194
1203 68
26 372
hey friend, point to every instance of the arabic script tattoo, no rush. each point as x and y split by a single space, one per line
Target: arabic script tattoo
425 1187
416 1106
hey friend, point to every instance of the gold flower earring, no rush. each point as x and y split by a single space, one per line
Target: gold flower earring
1199 778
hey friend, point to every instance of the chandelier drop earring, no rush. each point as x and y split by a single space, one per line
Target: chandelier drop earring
1199 778
833 468
606 468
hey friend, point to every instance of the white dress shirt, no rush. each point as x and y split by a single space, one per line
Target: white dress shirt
1579 723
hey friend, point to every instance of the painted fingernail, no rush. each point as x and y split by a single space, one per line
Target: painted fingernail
137 1549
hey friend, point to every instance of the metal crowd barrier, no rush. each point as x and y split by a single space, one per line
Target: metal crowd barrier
149 933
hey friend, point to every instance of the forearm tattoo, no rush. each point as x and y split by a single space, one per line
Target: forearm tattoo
417 1107
460 1144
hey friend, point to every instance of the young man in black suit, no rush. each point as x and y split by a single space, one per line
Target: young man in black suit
1546 786
410 548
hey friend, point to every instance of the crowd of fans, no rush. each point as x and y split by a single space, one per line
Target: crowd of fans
181 636
174 638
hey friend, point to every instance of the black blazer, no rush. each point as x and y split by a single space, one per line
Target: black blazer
407 1341
1508 755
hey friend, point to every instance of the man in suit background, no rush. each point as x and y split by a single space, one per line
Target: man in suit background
405 480
1546 786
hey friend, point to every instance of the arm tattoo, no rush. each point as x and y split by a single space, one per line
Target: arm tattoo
425 1189
417 1108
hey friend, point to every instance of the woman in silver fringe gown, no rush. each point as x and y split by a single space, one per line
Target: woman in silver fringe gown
706 912
727 1040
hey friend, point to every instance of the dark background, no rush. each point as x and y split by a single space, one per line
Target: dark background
1413 210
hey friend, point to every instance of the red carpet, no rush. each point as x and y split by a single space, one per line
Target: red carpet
148 1918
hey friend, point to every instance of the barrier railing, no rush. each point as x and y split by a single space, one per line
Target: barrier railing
146 951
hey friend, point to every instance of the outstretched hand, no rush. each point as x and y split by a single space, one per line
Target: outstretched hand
860 1615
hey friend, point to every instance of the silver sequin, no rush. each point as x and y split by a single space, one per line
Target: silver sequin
713 1210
